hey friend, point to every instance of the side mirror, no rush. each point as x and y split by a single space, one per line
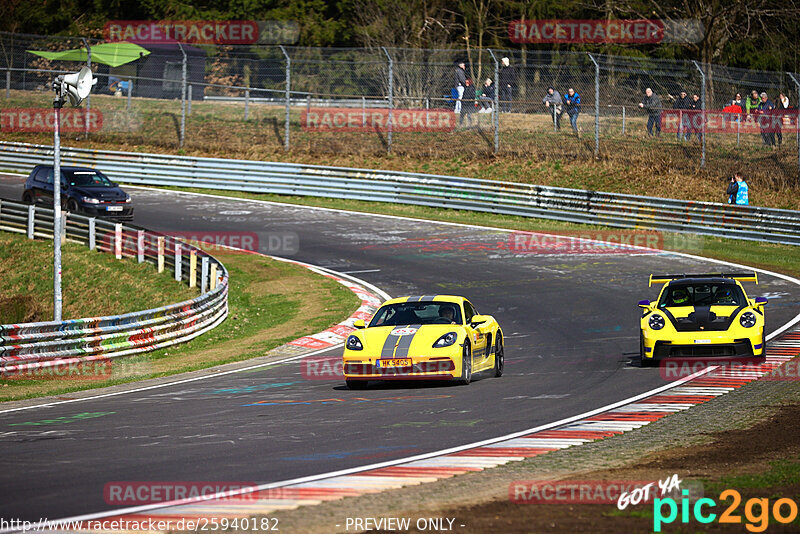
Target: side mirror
644 304
479 319
359 323
760 301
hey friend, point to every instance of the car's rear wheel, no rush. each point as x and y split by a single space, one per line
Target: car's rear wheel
72 206
466 365
499 355
356 384
27 197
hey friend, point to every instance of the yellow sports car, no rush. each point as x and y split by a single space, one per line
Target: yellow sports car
702 316
438 337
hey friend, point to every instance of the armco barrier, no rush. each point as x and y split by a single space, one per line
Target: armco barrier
34 345
509 198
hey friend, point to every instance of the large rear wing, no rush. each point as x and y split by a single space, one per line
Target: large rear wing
741 277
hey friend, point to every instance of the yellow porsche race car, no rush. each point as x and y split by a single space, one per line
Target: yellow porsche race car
702 316
439 337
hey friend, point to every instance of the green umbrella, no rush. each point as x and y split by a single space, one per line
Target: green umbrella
112 54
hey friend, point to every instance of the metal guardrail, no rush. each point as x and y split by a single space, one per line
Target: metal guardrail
34 345
508 198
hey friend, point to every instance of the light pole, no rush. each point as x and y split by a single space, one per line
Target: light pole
74 87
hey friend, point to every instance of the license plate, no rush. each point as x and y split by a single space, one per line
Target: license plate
702 341
405 362
114 208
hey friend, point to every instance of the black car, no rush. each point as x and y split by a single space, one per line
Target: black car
83 190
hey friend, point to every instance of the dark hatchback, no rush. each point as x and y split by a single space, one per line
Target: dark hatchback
83 190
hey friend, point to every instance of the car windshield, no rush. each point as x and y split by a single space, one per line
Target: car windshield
408 313
87 178
724 294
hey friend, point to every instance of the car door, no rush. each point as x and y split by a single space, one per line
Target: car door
476 334
42 185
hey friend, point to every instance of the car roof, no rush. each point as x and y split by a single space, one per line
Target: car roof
427 298
69 168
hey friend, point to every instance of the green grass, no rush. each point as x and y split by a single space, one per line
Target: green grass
781 473
270 303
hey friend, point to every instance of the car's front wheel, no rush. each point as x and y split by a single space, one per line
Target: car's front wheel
72 206
27 197
499 355
466 365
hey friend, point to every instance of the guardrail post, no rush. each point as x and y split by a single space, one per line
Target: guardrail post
703 111
118 240
308 104
596 106
363 112
140 246
246 103
178 261
288 96
797 121
130 89
189 100
496 113
31 218
213 281
204 275
92 234
623 120
183 96
160 248
192 268
8 83
391 101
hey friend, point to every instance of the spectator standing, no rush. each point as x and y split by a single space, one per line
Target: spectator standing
697 118
461 78
783 101
487 97
508 81
468 107
766 123
682 104
782 105
572 105
652 105
552 101
752 102
742 192
733 188
738 101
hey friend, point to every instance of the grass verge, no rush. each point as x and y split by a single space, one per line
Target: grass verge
270 303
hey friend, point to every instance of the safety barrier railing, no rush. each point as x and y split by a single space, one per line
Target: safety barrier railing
508 198
42 344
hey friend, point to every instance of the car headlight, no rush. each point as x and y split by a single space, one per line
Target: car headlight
90 200
656 322
353 343
748 319
446 340
127 199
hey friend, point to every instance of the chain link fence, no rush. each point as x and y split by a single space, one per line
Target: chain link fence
246 99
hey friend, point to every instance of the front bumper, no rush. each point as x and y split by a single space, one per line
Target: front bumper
421 368
101 210
706 345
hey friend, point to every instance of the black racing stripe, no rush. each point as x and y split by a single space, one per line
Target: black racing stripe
405 342
388 346
428 298
414 299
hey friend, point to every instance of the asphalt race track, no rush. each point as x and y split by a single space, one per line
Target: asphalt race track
569 319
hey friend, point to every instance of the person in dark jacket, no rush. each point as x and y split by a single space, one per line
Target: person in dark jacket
682 103
468 104
487 96
652 105
697 118
508 81
572 105
553 103
460 79
733 188
766 122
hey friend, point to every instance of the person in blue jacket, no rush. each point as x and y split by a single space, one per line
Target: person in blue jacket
742 197
572 105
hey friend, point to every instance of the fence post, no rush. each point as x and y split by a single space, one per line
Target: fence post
140 246
89 96
308 104
288 96
246 103
623 120
702 111
189 100
31 218
92 234
192 268
391 99
204 275
130 88
796 121
213 281
8 83
178 260
160 249
597 106
183 96
496 103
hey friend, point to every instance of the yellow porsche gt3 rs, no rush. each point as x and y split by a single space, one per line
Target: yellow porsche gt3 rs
439 337
705 316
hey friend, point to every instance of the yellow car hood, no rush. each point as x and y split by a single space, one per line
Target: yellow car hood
404 341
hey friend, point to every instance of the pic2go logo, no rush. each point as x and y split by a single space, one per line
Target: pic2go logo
756 511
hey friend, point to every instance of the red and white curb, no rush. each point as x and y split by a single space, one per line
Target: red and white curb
599 424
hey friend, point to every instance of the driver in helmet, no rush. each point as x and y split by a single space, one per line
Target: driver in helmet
448 312
724 296
680 297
